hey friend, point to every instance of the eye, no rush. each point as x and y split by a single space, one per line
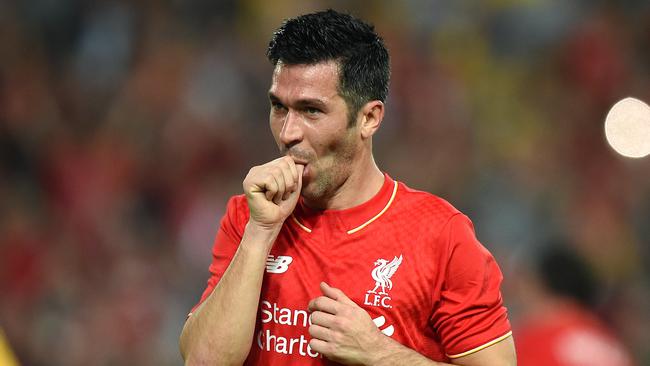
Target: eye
276 106
312 110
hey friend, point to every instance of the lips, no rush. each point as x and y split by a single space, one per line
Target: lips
298 160
305 173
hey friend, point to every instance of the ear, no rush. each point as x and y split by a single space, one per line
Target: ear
371 114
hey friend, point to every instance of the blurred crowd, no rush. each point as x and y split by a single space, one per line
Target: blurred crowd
126 125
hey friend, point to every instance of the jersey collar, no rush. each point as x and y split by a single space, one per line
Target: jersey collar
352 220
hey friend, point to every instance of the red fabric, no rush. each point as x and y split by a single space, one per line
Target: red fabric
444 299
568 336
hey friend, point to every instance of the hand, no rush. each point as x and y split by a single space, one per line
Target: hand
341 330
272 191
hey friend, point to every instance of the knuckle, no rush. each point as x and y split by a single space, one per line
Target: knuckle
273 170
334 347
339 323
268 179
283 162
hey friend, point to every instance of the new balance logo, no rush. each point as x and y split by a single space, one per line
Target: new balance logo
279 264
379 322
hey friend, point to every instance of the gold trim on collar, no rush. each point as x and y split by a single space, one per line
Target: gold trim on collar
299 224
383 210
390 201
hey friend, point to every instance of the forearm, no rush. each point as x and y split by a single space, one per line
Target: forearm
221 329
394 353
501 353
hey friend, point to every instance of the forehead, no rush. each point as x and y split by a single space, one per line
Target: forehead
293 82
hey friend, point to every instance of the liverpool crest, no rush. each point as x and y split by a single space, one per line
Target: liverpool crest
382 274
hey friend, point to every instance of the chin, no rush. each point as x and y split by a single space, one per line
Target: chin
319 186
308 193
313 192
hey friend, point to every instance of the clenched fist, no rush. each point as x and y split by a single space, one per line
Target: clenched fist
342 331
272 191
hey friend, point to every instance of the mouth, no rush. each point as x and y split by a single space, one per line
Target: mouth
301 159
298 160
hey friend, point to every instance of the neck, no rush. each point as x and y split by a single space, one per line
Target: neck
363 183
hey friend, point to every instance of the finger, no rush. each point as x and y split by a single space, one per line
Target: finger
323 319
294 170
270 187
289 181
292 167
322 333
335 294
279 179
299 168
324 304
319 346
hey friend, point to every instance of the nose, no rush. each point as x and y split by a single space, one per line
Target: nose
291 132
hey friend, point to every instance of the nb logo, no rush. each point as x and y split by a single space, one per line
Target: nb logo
379 322
279 264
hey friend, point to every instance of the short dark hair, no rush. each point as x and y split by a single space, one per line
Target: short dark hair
364 64
565 273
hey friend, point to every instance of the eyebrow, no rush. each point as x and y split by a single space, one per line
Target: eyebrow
311 102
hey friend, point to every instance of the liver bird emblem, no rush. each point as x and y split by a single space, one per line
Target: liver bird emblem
383 272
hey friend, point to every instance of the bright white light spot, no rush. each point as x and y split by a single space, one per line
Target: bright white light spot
627 128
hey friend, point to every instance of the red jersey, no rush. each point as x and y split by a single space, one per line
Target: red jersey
407 257
568 336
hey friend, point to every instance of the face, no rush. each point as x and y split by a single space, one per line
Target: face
309 121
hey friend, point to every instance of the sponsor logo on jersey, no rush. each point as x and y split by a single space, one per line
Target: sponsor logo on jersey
279 264
382 274
379 322
283 330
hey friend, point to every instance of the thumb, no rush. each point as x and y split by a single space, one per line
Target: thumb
335 294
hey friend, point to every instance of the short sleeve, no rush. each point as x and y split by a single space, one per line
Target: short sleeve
470 314
226 243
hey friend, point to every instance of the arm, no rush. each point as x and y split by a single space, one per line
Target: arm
501 353
343 332
221 330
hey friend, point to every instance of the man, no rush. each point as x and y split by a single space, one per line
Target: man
327 259
558 290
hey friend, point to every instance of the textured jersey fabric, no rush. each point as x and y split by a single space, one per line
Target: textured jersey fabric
409 258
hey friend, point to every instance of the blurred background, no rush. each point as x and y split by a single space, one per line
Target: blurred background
126 125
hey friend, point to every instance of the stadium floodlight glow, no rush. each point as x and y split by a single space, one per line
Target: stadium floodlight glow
627 128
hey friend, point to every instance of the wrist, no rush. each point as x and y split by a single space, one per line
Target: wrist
260 235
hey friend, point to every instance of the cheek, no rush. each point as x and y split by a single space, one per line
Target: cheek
338 152
345 146
276 127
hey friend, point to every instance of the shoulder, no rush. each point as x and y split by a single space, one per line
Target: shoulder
424 205
237 202
237 210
